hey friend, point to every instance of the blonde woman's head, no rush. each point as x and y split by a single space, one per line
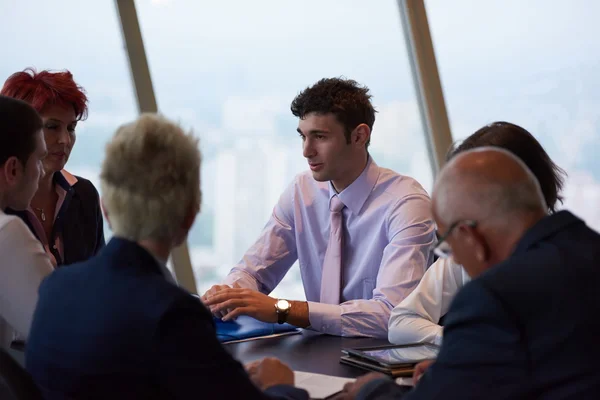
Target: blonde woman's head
150 180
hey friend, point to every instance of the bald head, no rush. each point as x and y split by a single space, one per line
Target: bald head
486 183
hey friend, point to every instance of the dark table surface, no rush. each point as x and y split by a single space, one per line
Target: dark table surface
308 351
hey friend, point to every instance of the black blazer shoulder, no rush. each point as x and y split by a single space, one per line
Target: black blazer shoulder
82 226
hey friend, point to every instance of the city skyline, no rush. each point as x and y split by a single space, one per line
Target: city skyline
231 79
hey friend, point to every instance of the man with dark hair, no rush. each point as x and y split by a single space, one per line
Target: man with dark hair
23 262
362 234
345 99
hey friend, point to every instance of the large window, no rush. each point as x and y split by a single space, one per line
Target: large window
534 63
85 38
229 70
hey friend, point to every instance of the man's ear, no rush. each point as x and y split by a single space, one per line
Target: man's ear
12 170
190 218
188 222
477 242
360 136
105 212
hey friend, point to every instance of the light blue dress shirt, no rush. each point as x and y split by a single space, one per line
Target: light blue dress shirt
388 236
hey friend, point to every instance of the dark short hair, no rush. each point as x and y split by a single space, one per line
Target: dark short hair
344 98
19 123
524 145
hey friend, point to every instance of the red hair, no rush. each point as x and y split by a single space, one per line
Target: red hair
47 88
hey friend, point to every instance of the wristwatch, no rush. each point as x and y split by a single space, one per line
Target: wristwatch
283 309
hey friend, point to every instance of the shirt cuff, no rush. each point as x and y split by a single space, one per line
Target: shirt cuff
242 278
326 318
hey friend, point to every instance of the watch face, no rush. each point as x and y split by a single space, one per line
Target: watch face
283 304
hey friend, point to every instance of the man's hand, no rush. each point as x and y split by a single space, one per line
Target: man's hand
214 290
420 369
233 302
351 389
269 372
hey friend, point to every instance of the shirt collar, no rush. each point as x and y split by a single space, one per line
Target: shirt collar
355 195
64 179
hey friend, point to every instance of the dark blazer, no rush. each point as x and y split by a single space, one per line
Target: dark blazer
114 328
79 220
528 328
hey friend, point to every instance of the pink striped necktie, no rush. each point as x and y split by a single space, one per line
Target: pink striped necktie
331 276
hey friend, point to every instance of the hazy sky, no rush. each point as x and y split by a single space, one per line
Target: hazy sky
229 69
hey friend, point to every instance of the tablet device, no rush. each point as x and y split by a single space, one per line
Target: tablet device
393 356
398 372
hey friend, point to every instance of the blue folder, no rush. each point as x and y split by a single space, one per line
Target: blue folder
245 327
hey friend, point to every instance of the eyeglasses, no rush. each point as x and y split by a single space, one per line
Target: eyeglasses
442 248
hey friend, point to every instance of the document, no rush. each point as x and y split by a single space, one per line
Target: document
319 386
405 381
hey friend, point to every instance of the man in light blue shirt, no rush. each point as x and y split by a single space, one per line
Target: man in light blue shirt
354 279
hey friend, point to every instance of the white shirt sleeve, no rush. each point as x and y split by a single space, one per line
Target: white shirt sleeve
23 266
416 318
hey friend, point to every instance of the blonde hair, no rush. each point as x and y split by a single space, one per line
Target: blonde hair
150 178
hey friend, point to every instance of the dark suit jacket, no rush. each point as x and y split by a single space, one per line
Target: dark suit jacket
528 328
79 221
114 328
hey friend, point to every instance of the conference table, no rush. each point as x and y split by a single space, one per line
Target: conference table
307 351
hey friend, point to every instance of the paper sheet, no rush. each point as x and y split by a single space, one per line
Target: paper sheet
319 386
405 381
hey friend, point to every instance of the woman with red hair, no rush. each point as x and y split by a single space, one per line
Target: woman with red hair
65 212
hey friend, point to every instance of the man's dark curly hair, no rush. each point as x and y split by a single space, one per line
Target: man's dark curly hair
344 98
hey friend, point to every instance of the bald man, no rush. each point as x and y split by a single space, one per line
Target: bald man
528 325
